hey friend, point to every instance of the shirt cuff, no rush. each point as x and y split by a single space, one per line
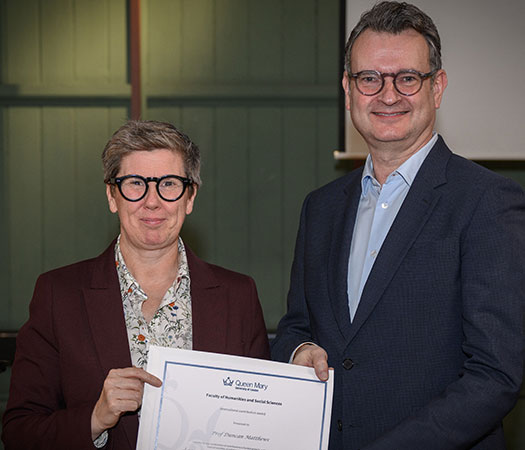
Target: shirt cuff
299 347
102 440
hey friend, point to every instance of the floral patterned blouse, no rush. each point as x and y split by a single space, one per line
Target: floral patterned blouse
171 326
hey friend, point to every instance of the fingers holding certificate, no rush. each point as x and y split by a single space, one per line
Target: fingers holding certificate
213 401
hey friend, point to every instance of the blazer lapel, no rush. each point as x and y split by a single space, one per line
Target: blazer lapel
414 213
106 314
106 320
208 305
342 232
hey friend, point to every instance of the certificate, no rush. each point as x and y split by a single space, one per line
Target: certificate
222 402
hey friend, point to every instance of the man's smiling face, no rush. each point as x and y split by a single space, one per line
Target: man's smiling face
390 119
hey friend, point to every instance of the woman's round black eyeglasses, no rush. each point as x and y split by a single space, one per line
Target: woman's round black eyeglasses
135 187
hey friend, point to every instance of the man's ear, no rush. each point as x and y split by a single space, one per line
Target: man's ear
346 86
438 87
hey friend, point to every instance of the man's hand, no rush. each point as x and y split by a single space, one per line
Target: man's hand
311 355
122 392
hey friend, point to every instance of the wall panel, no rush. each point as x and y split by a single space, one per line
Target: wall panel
299 34
198 30
59 183
327 140
328 52
22 41
265 41
91 133
166 113
200 228
92 40
5 263
231 40
57 41
164 40
299 155
117 42
232 197
265 189
54 194
25 200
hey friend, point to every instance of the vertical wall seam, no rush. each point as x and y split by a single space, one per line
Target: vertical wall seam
43 250
249 183
3 42
72 43
74 38
283 204
215 196
214 33
75 171
181 41
316 148
144 55
247 37
40 43
249 78
283 40
108 42
7 209
317 50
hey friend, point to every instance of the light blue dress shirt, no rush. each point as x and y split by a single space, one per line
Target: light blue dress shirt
378 207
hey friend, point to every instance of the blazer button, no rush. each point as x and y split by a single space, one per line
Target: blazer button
339 425
348 364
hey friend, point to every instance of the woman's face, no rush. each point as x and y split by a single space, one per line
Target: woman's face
151 223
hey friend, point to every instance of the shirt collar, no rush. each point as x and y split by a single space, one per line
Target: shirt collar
408 170
127 280
367 179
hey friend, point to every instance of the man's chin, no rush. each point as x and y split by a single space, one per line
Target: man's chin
384 135
389 138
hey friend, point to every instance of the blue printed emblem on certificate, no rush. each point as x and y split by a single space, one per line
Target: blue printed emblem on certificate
221 402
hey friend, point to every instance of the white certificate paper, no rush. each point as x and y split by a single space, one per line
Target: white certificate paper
222 402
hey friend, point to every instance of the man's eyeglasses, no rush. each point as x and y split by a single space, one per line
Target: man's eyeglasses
134 187
406 82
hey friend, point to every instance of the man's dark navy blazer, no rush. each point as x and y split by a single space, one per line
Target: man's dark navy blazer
434 357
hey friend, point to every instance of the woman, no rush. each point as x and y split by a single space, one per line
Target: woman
78 375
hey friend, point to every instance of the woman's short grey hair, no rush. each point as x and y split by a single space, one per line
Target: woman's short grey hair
148 135
394 18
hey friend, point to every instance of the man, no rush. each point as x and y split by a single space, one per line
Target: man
408 277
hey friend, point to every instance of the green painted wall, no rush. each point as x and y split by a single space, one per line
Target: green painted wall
254 83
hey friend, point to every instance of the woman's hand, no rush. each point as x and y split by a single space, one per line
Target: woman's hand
122 392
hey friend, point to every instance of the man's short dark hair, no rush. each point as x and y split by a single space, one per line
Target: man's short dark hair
394 18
